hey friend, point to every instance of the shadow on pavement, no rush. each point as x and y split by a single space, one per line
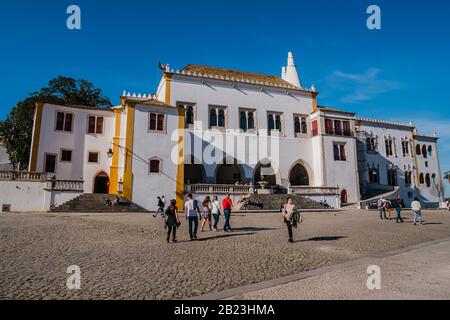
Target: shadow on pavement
324 239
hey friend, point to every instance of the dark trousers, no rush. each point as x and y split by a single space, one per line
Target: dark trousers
227 214
399 216
289 226
171 230
383 213
193 226
216 220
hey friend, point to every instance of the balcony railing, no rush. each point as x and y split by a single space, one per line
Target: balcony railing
308 191
65 185
218 189
22 176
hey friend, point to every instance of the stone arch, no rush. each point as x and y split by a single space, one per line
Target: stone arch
271 172
227 173
194 172
300 174
101 183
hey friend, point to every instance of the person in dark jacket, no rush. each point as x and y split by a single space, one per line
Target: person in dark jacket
172 221
398 204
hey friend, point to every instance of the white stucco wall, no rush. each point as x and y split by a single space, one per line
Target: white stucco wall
23 196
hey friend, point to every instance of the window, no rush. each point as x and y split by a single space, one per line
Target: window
329 126
424 151
66 155
275 122
338 127
156 122
189 115
371 143
339 152
430 151
50 163
418 150
95 125
428 180
217 117
93 157
247 120
392 177
315 128
300 125
64 121
346 127
426 164
155 166
408 178
421 179
388 146
374 175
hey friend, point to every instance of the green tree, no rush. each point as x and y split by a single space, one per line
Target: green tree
16 129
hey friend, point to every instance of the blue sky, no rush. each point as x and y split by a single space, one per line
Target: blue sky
399 72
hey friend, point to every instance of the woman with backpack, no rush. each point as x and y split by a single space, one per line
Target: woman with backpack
215 211
291 217
172 221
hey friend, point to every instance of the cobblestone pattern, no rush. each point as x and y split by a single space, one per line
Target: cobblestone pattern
125 256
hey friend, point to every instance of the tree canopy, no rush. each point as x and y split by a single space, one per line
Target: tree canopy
16 129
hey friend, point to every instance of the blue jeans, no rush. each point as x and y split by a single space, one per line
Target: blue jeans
216 220
399 216
417 215
193 226
227 214
382 213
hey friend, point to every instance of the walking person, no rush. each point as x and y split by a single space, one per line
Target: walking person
398 205
172 221
382 208
161 206
416 208
192 217
289 216
227 204
215 211
206 214
388 206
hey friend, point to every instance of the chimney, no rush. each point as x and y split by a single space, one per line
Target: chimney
291 74
283 72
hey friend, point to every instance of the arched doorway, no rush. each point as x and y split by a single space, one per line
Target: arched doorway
194 172
299 176
101 183
264 171
229 174
344 197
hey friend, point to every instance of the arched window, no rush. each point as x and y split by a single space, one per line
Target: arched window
430 151
297 126
243 120
433 178
278 122
221 118
421 179
424 151
251 120
428 180
418 150
189 115
213 118
271 123
304 126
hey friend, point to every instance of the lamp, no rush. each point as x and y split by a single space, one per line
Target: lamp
110 153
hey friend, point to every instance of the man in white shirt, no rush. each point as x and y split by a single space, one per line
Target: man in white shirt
191 215
416 208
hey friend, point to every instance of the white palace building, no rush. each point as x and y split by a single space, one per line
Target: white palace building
209 130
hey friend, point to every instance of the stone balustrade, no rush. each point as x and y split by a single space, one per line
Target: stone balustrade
22 176
307 191
218 189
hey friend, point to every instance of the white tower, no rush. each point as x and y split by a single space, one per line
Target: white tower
290 73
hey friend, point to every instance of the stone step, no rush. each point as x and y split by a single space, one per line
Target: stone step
275 201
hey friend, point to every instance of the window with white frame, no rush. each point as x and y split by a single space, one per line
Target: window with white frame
157 122
190 113
247 119
64 121
66 155
275 122
388 143
300 125
339 151
95 125
155 166
217 117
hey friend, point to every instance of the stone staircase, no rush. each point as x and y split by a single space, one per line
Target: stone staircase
274 202
96 203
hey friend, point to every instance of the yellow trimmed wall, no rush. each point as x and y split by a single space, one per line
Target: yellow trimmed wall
129 138
168 88
36 136
114 169
180 166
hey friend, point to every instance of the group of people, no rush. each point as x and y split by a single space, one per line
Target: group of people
209 212
196 215
385 208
